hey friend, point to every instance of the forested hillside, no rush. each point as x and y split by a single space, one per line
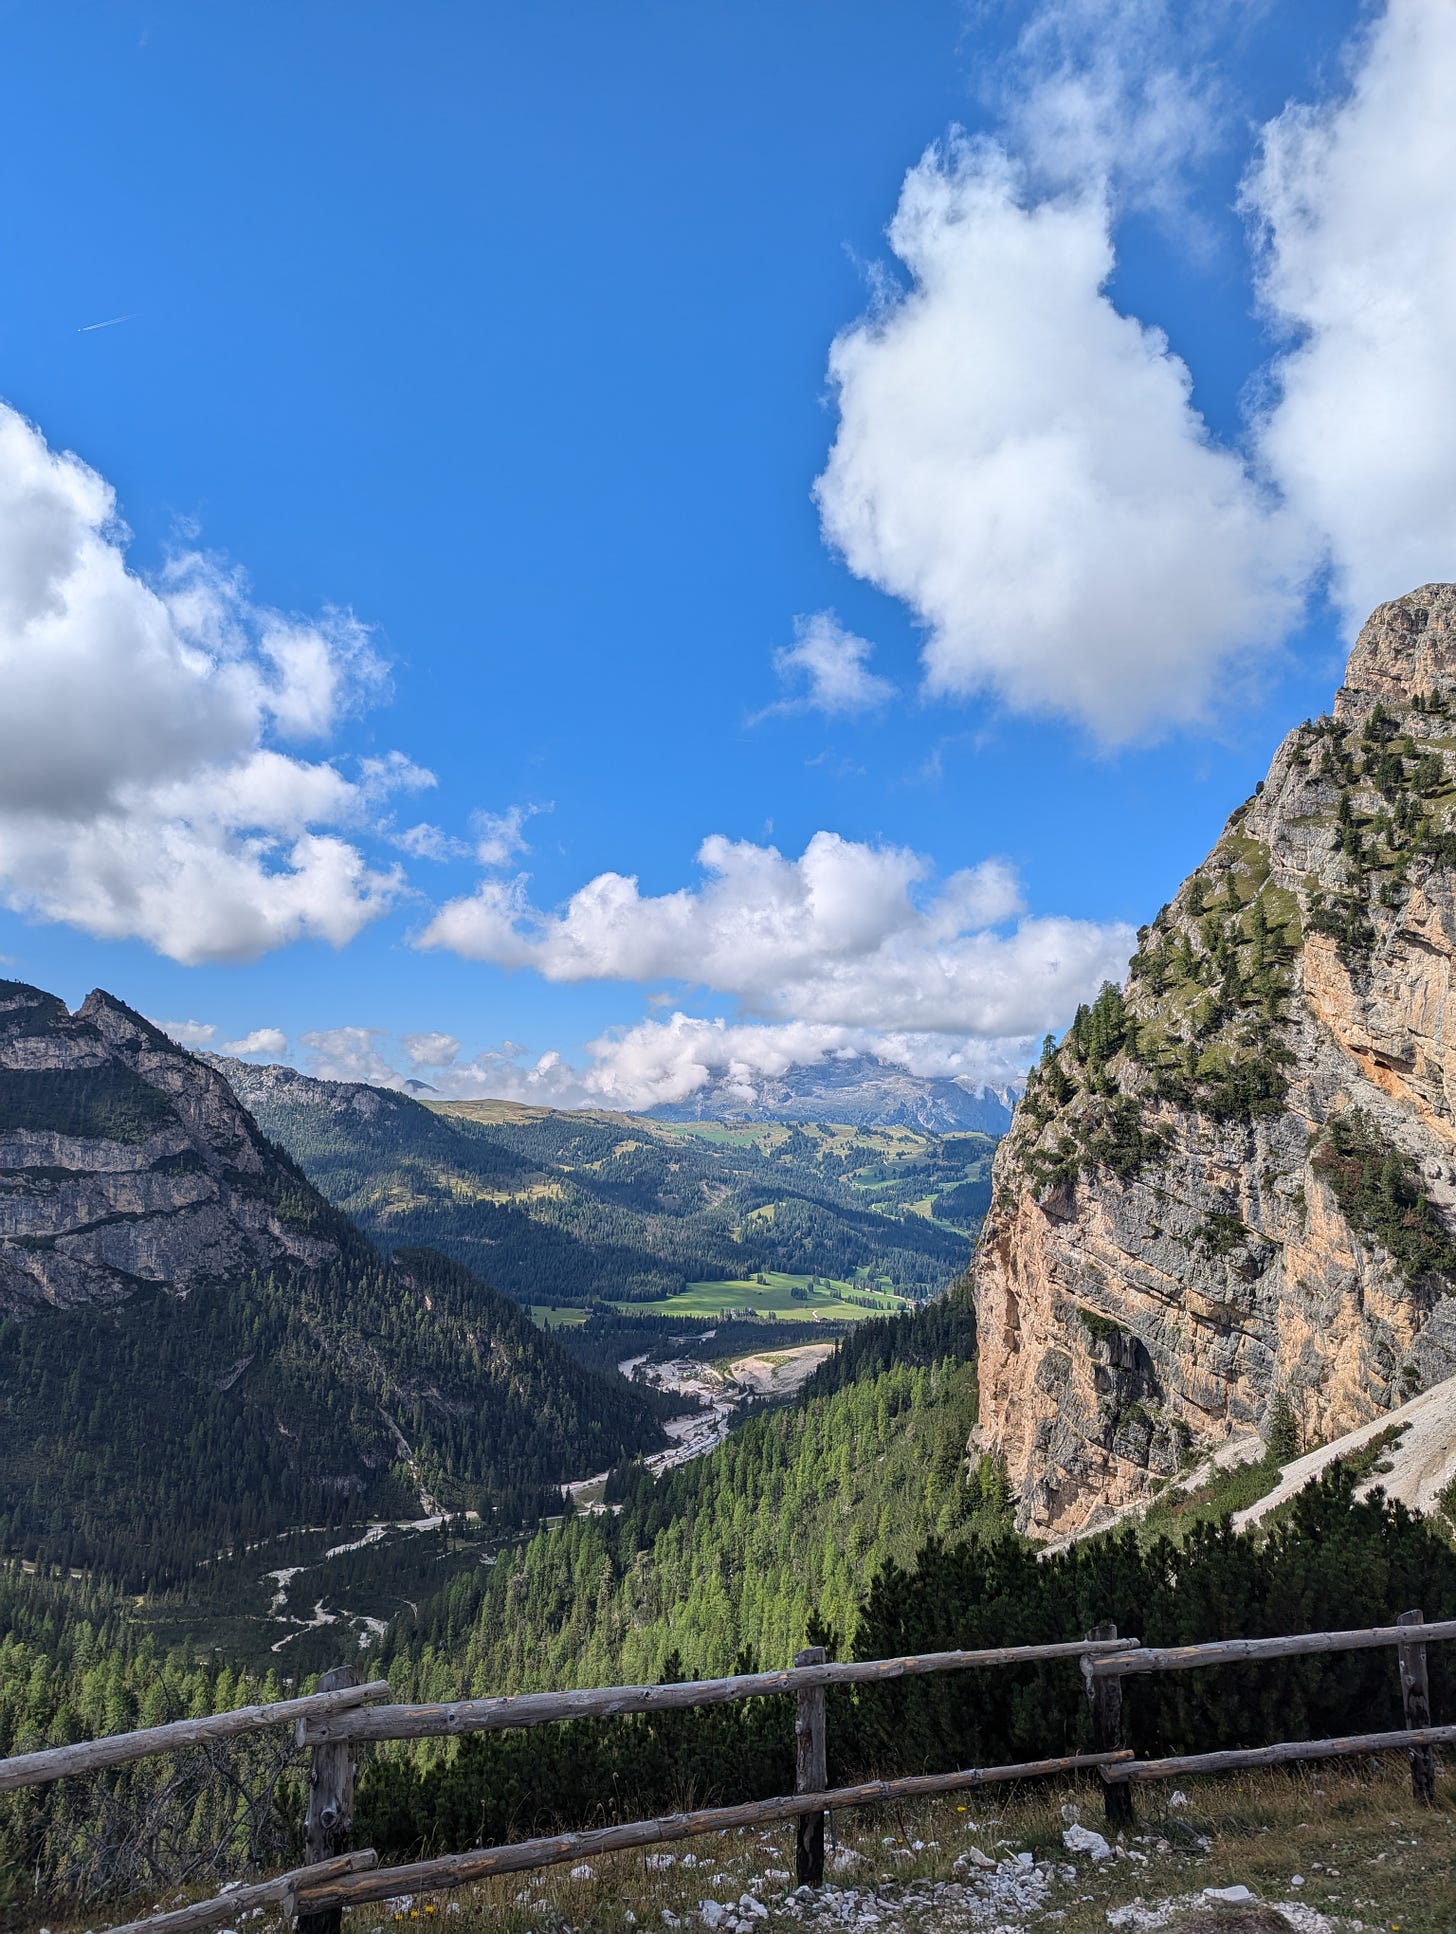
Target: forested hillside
786 1520
301 1379
556 1207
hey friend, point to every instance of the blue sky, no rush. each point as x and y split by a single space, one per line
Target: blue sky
493 345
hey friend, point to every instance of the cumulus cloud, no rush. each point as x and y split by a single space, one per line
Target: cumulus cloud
1125 92
189 1034
663 1062
1024 466
141 795
830 665
499 837
271 1041
658 1061
430 1050
427 842
848 934
1358 264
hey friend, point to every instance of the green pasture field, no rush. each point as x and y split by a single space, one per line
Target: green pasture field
549 1316
774 1294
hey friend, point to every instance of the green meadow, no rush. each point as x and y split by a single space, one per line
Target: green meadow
552 1317
772 1294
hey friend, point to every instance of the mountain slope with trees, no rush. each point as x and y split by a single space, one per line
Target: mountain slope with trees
562 1207
302 1378
1232 1184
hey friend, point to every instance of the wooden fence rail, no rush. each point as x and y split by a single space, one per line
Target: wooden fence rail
522 1856
1414 1740
1181 1658
332 1722
281 1890
610 1702
94 1755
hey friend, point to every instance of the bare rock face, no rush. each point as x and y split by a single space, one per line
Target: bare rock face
125 1160
1233 1179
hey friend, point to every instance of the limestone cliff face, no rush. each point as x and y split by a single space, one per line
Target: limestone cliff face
1235 1176
124 1161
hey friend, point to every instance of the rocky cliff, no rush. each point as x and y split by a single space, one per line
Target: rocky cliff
124 1160
1234 1176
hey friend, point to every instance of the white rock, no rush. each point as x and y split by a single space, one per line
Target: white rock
1071 1816
1296 1880
660 1862
583 1872
669 1919
690 1860
1177 1797
1081 1839
711 1912
1231 1896
754 1908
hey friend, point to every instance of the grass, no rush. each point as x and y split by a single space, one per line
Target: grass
775 1295
1367 1857
551 1316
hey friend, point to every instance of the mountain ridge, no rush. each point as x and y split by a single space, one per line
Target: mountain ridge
1235 1177
858 1090
579 1206
197 1349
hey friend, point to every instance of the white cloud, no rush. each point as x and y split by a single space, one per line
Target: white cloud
831 665
427 842
499 838
189 1034
1359 264
1123 92
350 1054
430 1050
271 1041
139 796
846 935
658 1061
1025 468
662 1062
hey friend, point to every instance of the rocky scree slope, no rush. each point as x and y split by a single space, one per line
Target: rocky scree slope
1234 1177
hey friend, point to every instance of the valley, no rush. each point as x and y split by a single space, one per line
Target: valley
564 1209
511 1398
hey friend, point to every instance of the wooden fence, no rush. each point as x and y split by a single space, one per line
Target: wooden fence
342 1714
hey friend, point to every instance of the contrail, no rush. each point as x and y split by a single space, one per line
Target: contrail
110 323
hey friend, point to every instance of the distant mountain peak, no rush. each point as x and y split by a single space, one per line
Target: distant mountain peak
857 1090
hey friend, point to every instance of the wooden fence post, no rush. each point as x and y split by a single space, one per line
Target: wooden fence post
1415 1692
328 1824
811 1771
1105 1696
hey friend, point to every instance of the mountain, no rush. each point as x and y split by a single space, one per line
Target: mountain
858 1090
559 1207
123 1161
197 1350
1232 1182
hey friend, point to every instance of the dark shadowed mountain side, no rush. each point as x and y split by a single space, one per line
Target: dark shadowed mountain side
562 1207
859 1090
196 1349
1232 1189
